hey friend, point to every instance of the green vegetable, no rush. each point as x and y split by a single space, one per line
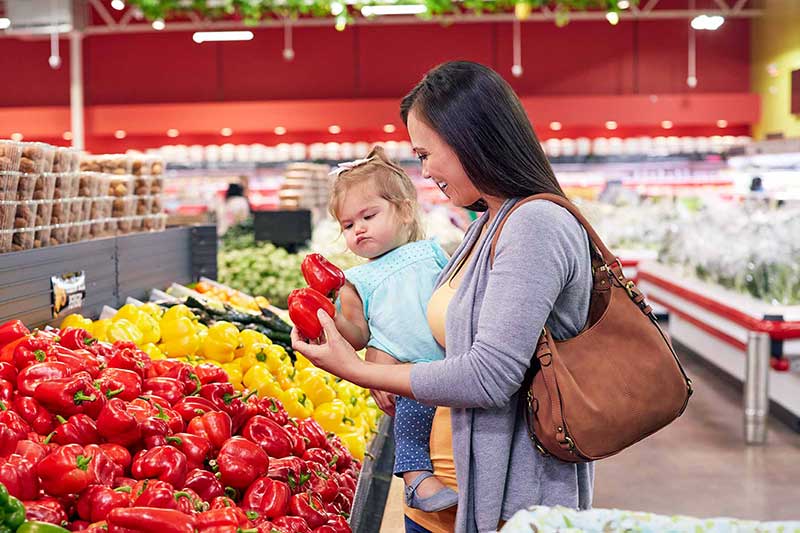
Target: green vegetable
12 512
41 527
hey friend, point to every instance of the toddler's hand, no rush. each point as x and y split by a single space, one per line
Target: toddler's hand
385 400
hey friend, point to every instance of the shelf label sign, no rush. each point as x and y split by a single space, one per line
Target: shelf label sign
69 291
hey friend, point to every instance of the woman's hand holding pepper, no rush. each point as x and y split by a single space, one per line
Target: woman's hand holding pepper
332 352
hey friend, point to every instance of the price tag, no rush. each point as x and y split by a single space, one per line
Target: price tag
69 291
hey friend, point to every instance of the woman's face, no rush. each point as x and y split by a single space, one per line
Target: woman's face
440 163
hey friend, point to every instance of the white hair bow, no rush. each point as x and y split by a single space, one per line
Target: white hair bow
349 165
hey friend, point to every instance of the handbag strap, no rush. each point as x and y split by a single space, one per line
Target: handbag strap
608 257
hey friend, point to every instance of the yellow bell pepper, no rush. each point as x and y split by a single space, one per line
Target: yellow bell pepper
249 338
151 332
345 391
128 312
179 337
202 334
277 358
124 330
153 351
332 416
100 329
301 362
314 383
235 374
221 342
77 321
285 376
296 403
178 311
260 379
154 310
355 442
254 353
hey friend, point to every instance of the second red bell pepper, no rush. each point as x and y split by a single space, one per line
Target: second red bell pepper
322 275
303 307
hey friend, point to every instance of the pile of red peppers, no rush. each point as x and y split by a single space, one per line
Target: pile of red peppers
98 438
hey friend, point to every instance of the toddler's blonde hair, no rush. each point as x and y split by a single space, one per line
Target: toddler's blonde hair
391 183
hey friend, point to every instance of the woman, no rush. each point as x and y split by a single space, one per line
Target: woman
474 140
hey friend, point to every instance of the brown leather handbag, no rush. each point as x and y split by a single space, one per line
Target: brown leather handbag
618 381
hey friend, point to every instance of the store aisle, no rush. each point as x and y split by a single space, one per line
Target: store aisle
699 466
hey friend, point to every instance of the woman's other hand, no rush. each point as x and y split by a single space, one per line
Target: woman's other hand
331 352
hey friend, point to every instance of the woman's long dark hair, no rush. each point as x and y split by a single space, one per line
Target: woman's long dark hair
477 113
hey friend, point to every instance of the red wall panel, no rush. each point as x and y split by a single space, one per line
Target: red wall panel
149 67
27 79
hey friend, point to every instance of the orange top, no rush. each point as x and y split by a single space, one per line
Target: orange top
441 434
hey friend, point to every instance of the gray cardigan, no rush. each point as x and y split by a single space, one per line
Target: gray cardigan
542 271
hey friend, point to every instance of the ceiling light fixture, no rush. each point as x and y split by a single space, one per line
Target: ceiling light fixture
335 130
172 132
611 125
120 134
408 9
389 128
159 24
555 126
222 36
280 130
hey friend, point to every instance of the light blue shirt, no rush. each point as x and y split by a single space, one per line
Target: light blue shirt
395 289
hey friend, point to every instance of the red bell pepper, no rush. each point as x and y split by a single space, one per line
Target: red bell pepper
214 426
208 373
79 429
118 454
324 528
77 360
33 376
268 497
339 524
196 448
39 418
33 348
11 331
189 501
104 469
141 408
169 389
113 379
343 500
154 493
241 462
222 395
148 520
162 462
320 457
242 414
6 391
8 372
192 406
66 396
299 442
322 275
222 521
66 470
291 470
272 438
127 356
204 483
19 476
291 524
184 373
14 422
97 501
303 307
8 441
154 432
323 483
171 417
117 424
75 338
310 429
309 506
222 502
47 510
342 454
31 450
273 409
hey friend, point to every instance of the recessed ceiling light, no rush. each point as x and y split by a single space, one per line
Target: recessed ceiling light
67 136
172 132
334 129
280 130
611 125
120 134
555 126
722 123
226 132
17 137
666 124
389 128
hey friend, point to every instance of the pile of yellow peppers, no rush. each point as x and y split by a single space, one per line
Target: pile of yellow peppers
252 362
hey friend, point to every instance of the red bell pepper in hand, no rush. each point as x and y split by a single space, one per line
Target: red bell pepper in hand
66 396
273 409
272 438
118 454
8 372
222 521
268 497
11 331
291 470
208 373
19 476
39 418
303 307
154 493
148 520
204 483
196 448
162 462
67 470
169 389
97 501
47 510
117 424
214 426
75 338
322 275
310 429
308 506
291 524
79 429
192 406
31 377
241 462
112 380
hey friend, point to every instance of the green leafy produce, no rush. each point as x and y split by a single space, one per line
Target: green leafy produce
262 270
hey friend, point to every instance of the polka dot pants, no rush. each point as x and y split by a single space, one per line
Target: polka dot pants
412 435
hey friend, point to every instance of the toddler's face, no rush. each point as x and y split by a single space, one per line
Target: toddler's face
370 224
